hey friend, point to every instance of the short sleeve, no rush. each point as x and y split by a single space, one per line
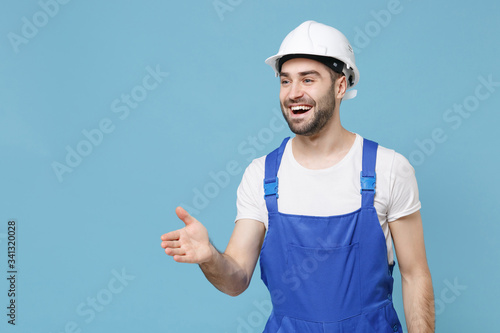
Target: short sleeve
404 199
250 201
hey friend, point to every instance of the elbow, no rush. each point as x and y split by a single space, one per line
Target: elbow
238 288
236 291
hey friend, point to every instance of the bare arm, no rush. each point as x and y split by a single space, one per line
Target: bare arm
418 297
231 271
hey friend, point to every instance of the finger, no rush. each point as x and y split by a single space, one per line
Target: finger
184 215
171 244
175 252
184 259
171 236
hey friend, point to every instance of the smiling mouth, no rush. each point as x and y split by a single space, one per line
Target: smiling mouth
300 109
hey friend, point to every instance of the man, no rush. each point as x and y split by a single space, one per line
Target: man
322 210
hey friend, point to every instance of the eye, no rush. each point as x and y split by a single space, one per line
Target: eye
308 80
284 82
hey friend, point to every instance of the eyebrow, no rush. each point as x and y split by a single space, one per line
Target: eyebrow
311 72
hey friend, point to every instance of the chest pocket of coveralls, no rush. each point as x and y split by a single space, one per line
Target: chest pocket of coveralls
330 277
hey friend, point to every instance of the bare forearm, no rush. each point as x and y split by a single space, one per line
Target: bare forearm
418 300
225 273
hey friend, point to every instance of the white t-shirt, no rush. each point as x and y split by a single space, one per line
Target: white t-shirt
332 191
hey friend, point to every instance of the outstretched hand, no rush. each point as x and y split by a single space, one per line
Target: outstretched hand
189 244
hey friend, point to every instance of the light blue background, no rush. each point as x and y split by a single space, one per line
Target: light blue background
109 212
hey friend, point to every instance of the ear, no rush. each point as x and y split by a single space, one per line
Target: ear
340 87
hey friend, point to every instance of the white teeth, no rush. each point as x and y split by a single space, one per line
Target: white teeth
300 107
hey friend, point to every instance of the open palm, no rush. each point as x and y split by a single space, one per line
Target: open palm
189 244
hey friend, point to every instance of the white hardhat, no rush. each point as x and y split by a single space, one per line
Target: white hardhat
316 39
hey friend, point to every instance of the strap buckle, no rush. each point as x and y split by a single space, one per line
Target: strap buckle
271 187
367 183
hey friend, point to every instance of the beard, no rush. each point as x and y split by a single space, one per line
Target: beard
323 112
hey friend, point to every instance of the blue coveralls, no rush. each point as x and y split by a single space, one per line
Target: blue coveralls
327 274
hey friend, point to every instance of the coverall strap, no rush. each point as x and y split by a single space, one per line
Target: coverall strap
273 161
368 177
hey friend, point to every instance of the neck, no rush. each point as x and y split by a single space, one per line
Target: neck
325 148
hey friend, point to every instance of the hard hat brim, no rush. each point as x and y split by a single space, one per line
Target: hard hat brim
274 60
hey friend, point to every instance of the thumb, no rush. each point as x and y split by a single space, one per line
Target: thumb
184 216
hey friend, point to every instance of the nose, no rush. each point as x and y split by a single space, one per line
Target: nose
296 91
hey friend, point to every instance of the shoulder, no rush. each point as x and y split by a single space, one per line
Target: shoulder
394 171
385 157
253 176
256 167
390 161
396 163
